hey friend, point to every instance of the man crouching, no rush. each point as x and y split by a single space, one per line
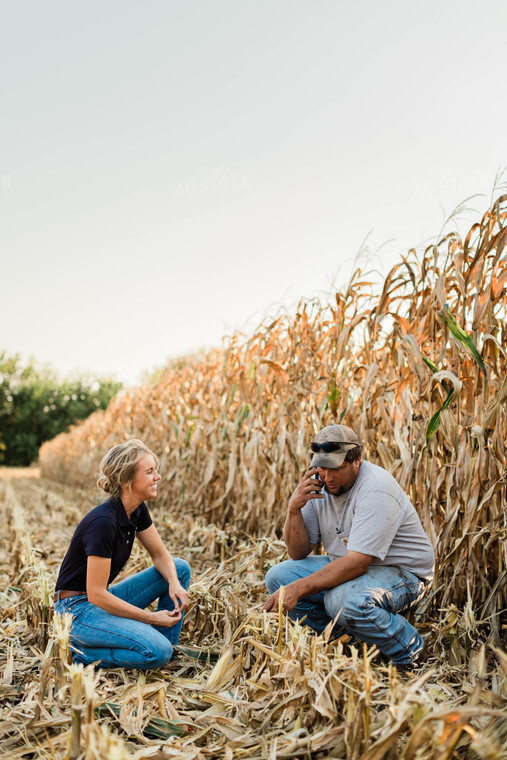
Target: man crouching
378 563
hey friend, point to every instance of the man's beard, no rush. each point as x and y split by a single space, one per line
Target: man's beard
341 490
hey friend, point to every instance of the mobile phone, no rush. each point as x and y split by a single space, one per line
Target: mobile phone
316 477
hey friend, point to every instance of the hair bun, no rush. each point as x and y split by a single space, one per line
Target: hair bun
104 483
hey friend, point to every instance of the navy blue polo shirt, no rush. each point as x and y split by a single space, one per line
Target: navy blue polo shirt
105 531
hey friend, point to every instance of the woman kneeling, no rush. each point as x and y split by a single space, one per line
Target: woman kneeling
110 625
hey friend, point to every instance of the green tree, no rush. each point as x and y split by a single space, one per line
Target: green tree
35 405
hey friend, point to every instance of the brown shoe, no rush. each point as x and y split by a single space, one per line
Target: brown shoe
408 667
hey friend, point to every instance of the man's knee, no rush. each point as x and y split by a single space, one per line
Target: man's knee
274 578
344 608
291 570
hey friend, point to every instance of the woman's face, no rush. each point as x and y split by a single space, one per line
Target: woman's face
144 485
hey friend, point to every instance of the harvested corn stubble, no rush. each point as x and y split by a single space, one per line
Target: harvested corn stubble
315 697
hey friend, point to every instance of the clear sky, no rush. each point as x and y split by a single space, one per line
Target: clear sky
171 169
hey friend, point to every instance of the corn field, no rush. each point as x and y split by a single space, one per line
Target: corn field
418 368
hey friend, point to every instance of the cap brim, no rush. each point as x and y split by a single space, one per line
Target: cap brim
332 460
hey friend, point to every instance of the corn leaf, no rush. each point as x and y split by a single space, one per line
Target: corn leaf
434 423
461 336
156 727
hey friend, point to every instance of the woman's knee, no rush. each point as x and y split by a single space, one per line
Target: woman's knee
183 570
159 655
154 650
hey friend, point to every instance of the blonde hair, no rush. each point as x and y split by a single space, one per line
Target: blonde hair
118 467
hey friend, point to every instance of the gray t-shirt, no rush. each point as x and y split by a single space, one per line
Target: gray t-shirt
376 518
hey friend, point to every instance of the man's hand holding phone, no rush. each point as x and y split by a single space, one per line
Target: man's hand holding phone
309 488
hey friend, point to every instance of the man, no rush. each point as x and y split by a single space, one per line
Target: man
378 563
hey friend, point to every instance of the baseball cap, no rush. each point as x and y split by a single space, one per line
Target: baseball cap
343 436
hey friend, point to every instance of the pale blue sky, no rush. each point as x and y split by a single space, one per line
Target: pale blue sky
170 170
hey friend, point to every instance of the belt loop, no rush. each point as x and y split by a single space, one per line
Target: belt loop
57 597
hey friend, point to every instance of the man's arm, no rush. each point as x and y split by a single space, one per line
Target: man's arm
295 533
335 573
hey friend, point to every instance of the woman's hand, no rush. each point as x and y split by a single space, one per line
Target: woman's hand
96 584
179 595
166 618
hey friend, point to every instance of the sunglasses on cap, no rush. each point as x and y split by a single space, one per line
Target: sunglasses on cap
328 446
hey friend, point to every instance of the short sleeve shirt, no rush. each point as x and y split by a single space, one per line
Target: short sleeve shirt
375 517
105 531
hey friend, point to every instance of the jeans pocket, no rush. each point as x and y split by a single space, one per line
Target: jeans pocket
415 589
74 605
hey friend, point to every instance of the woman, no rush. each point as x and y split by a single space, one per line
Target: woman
111 626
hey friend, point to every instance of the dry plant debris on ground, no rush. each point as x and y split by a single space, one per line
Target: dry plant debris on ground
265 688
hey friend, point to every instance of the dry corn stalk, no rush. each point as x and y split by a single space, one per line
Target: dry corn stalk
417 367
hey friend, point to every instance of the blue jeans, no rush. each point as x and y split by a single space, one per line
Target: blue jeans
115 642
367 608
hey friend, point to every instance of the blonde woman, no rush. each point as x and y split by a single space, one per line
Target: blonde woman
111 626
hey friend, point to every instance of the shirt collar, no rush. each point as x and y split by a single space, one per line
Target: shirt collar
121 515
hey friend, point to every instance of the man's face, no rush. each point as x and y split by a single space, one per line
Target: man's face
338 480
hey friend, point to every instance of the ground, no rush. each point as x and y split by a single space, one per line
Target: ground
244 685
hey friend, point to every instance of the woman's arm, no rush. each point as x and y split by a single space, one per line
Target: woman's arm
97 576
164 563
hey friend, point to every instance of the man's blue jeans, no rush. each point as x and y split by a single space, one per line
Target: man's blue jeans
115 642
367 607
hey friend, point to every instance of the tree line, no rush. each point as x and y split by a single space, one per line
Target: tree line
36 405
